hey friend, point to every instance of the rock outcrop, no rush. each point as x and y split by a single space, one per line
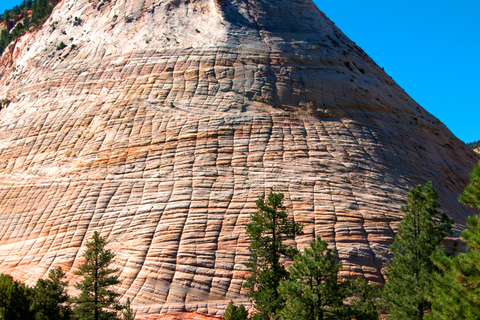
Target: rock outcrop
184 316
159 123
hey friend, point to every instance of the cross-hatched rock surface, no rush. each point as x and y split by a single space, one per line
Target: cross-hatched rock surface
159 123
184 316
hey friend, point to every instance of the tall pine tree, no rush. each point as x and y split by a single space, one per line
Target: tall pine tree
456 289
269 227
50 298
14 299
314 290
420 234
471 193
97 301
365 303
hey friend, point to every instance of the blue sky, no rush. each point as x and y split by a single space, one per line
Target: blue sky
431 48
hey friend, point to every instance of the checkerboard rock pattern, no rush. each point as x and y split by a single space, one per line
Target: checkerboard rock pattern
161 122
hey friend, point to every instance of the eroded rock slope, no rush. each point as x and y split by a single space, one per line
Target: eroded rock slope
159 123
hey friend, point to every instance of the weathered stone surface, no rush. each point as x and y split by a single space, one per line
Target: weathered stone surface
184 316
162 122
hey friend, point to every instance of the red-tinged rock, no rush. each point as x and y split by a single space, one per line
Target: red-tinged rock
183 316
162 122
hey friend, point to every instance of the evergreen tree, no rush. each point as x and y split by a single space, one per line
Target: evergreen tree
419 236
6 18
96 300
49 300
128 312
269 227
235 313
313 290
471 193
41 10
456 289
365 304
14 299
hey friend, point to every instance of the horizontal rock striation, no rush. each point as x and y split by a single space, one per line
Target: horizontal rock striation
159 124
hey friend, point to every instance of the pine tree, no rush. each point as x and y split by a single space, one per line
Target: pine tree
14 299
96 300
456 289
365 303
420 234
49 300
313 290
269 227
128 312
471 193
235 313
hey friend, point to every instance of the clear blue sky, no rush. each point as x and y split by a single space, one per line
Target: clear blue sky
431 48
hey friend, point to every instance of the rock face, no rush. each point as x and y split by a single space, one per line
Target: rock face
184 316
161 122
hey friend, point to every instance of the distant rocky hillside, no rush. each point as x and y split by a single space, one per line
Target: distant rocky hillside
159 123
475 146
26 17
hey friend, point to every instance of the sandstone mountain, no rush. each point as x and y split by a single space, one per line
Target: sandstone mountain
158 123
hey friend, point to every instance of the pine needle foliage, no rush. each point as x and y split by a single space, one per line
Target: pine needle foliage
456 289
40 11
420 234
269 227
313 290
50 298
235 313
128 312
471 193
474 145
14 299
366 303
97 301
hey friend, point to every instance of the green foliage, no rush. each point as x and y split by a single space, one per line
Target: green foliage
128 312
269 227
313 289
456 289
96 301
61 45
419 236
474 145
471 193
365 304
4 103
235 313
77 21
49 300
41 10
14 299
